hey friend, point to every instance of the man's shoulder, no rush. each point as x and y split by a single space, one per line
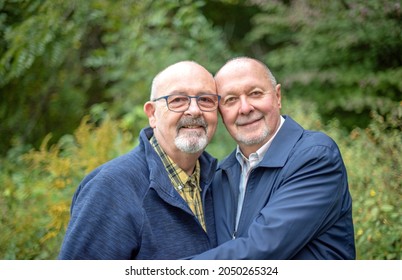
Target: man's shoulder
124 168
312 138
306 137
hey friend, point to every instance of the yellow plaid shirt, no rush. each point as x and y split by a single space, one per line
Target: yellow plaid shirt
187 186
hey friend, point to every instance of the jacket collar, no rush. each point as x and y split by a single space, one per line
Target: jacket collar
280 149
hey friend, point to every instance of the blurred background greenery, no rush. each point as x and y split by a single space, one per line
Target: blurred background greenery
75 74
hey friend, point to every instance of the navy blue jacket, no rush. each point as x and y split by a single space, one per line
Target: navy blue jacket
128 209
297 203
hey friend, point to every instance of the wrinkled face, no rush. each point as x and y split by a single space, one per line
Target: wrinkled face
250 105
189 131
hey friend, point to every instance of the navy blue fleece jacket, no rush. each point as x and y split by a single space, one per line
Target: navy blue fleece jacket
128 209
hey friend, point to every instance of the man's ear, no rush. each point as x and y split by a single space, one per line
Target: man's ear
149 109
278 95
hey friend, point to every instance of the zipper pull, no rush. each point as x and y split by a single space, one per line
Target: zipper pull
234 235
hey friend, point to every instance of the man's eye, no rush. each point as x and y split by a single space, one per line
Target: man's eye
256 94
178 99
206 99
230 100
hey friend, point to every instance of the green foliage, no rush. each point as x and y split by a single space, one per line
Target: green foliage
36 187
344 55
58 58
41 77
374 165
339 63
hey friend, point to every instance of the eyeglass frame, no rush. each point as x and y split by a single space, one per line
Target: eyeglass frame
197 97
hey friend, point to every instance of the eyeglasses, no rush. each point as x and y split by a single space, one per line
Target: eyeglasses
180 103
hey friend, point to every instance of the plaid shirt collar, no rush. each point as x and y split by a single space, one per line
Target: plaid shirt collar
177 175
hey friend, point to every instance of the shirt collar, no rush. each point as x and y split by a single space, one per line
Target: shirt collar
178 176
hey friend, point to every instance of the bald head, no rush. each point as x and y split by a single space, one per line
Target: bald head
238 64
183 70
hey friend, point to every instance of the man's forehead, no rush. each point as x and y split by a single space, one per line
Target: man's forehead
187 85
240 65
242 81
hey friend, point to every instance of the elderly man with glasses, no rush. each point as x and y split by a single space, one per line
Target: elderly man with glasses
154 202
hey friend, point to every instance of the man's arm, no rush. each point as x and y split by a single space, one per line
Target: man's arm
307 202
101 226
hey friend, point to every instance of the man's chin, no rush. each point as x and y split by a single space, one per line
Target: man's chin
191 134
194 144
252 139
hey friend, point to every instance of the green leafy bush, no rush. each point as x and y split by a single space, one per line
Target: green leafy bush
339 65
58 58
37 186
374 164
343 55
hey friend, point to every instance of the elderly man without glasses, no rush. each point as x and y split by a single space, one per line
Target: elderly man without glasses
283 192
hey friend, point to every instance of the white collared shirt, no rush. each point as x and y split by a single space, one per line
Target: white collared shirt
247 165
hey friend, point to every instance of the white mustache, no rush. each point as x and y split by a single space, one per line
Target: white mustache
186 122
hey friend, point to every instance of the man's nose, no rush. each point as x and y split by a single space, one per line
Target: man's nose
245 106
193 108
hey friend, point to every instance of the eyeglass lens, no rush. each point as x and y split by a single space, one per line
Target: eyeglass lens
182 102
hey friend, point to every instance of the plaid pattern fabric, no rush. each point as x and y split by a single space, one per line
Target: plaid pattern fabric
187 186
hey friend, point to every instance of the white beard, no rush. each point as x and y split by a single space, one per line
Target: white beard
191 142
254 140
